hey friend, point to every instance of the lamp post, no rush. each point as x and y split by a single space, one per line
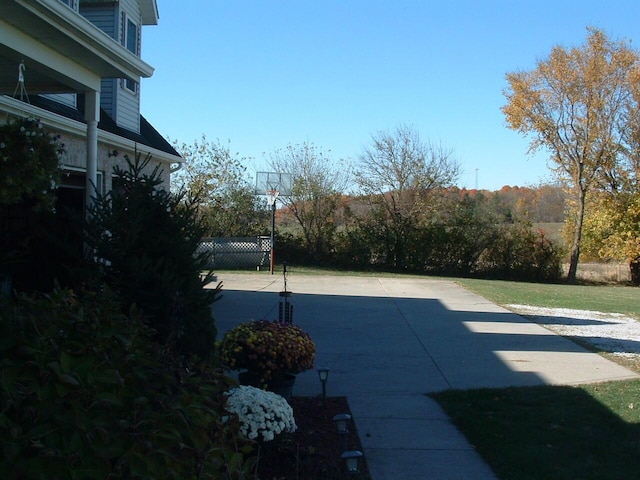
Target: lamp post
340 421
352 461
323 373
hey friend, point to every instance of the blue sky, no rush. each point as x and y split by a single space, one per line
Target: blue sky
262 74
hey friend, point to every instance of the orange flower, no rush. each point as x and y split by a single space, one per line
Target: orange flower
266 348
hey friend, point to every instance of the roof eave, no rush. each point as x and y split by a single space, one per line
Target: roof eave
111 58
149 12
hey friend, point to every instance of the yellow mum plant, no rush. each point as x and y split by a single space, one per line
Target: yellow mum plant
267 349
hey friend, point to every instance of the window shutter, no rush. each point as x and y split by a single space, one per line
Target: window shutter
123 38
123 29
139 39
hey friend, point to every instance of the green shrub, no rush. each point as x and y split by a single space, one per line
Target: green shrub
352 249
520 253
456 237
86 393
145 241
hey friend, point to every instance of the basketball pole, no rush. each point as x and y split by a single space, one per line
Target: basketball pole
273 184
273 235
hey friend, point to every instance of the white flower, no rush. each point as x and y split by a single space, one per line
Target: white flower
261 413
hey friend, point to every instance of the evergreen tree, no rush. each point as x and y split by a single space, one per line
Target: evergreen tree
145 240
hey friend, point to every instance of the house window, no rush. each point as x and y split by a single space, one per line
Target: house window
131 42
71 3
73 177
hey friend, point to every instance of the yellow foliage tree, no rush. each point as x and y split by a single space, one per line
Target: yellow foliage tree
612 229
575 104
615 215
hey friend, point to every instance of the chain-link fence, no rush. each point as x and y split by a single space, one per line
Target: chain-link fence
237 252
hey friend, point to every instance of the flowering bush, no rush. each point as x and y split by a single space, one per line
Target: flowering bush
262 414
267 348
29 165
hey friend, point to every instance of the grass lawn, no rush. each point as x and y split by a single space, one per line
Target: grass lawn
602 298
585 432
588 432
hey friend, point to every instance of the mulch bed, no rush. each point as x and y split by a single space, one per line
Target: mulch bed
313 451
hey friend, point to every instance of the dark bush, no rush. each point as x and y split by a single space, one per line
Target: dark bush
87 393
29 165
29 174
291 249
353 249
464 241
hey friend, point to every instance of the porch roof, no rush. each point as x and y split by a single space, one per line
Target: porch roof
64 52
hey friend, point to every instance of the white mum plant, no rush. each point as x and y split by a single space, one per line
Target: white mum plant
261 413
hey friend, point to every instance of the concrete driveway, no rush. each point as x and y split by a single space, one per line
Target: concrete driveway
390 341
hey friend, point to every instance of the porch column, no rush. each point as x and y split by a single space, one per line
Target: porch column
92 116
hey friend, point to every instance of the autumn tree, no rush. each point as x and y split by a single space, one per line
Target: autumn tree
626 194
612 229
397 173
575 105
217 177
613 222
318 183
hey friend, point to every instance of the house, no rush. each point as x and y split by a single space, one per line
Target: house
75 65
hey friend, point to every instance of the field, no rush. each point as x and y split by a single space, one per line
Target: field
612 272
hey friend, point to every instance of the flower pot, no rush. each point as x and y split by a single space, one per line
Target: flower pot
281 383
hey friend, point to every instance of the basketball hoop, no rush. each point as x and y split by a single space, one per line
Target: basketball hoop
273 185
272 195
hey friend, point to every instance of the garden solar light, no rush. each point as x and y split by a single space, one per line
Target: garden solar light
323 373
352 461
341 420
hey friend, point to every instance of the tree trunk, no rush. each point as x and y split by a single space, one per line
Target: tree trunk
634 268
577 237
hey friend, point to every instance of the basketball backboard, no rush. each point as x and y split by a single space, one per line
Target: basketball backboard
269 182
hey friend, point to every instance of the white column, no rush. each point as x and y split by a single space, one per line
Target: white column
92 116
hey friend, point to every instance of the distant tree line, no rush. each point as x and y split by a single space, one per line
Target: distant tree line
408 217
402 213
